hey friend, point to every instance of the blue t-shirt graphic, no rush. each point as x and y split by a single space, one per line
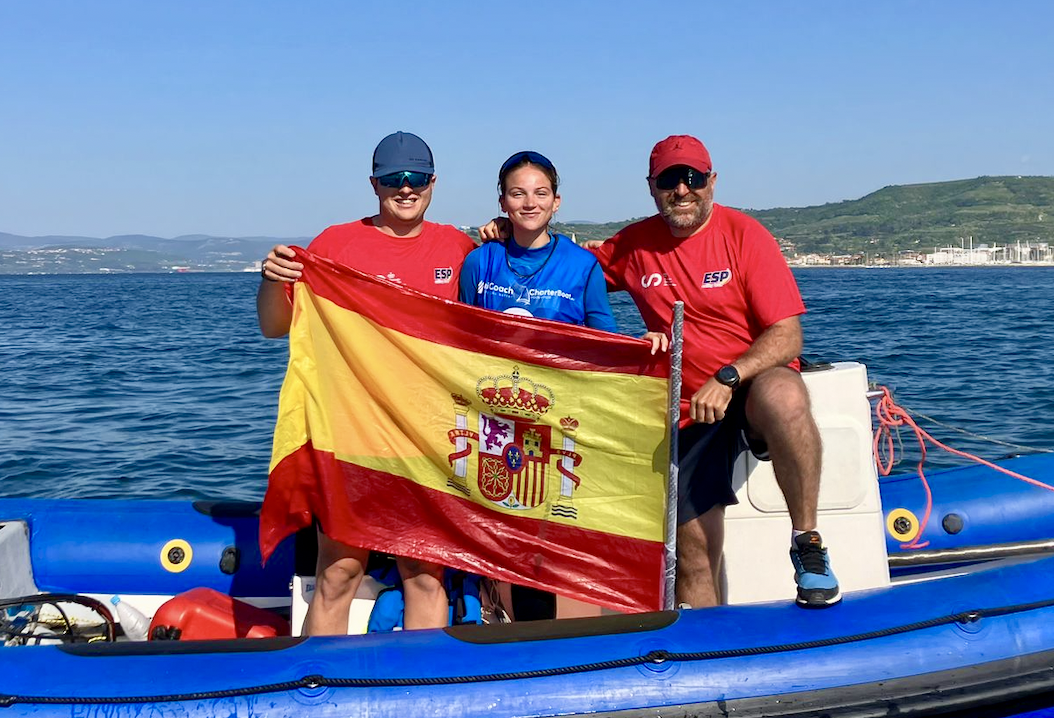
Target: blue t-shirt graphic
560 281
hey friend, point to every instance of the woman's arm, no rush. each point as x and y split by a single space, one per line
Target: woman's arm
469 278
598 309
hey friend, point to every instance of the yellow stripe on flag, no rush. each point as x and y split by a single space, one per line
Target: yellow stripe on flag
384 400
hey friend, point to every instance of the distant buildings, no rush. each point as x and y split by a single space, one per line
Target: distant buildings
1027 253
1020 253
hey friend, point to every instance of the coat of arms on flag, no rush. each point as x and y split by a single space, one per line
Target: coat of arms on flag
514 448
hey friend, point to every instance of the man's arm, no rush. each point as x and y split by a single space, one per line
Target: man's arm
273 309
776 346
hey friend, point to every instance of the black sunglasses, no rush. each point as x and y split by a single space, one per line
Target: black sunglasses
533 157
669 179
396 180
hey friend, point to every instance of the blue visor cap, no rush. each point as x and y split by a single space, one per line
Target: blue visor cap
402 152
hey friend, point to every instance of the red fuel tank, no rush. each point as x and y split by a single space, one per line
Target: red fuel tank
203 614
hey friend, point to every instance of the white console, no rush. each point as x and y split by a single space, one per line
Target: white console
758 528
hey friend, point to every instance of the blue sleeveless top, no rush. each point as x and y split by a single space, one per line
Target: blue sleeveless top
560 281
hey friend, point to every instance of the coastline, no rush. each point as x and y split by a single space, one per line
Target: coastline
919 265
206 270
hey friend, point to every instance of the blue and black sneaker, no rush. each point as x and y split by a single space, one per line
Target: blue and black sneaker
817 585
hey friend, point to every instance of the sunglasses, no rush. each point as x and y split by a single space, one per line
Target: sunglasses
533 157
396 180
670 178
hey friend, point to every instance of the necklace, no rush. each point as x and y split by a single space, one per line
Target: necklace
508 263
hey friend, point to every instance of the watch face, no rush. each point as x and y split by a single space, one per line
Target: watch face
728 376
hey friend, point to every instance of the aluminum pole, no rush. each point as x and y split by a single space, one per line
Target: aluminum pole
964 554
673 416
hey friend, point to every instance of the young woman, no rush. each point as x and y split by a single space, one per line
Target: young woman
535 272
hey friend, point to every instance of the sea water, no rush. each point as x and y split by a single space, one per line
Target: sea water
161 386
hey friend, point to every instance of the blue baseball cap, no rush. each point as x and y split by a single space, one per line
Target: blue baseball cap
402 152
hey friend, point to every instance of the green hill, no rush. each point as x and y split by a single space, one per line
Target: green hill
992 210
592 230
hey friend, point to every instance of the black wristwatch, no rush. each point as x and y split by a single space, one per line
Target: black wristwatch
728 375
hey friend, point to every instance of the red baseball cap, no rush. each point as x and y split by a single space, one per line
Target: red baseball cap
679 150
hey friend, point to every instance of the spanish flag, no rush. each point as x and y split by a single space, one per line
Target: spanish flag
522 449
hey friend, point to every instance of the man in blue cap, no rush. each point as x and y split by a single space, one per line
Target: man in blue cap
399 245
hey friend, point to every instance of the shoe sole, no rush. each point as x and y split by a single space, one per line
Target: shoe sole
816 599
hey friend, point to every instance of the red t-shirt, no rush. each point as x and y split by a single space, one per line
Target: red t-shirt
429 262
731 276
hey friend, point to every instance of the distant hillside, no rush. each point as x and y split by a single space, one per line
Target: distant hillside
592 230
990 209
133 253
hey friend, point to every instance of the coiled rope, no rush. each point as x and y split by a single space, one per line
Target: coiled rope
890 416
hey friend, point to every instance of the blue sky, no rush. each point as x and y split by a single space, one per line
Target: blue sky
259 118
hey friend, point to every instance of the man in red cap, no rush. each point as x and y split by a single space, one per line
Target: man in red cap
742 337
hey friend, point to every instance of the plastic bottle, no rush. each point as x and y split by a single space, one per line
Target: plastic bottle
135 625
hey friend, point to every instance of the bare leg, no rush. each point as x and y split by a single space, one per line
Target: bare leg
699 545
425 599
573 608
778 411
338 574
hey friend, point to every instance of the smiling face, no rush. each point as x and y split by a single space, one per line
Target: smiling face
405 206
684 209
529 199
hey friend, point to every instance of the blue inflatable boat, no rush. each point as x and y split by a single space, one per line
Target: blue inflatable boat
966 630
976 514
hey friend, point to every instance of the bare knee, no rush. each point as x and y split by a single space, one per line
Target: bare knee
777 395
419 575
425 595
339 577
339 569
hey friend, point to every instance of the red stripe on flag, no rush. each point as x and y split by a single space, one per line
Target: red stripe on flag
383 512
536 341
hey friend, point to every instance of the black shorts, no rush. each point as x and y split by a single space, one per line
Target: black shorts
706 456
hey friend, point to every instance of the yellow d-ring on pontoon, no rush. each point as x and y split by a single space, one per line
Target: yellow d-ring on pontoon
182 562
913 525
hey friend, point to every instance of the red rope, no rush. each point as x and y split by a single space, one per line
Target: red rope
890 416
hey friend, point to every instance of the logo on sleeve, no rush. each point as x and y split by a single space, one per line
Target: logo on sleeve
444 275
719 278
